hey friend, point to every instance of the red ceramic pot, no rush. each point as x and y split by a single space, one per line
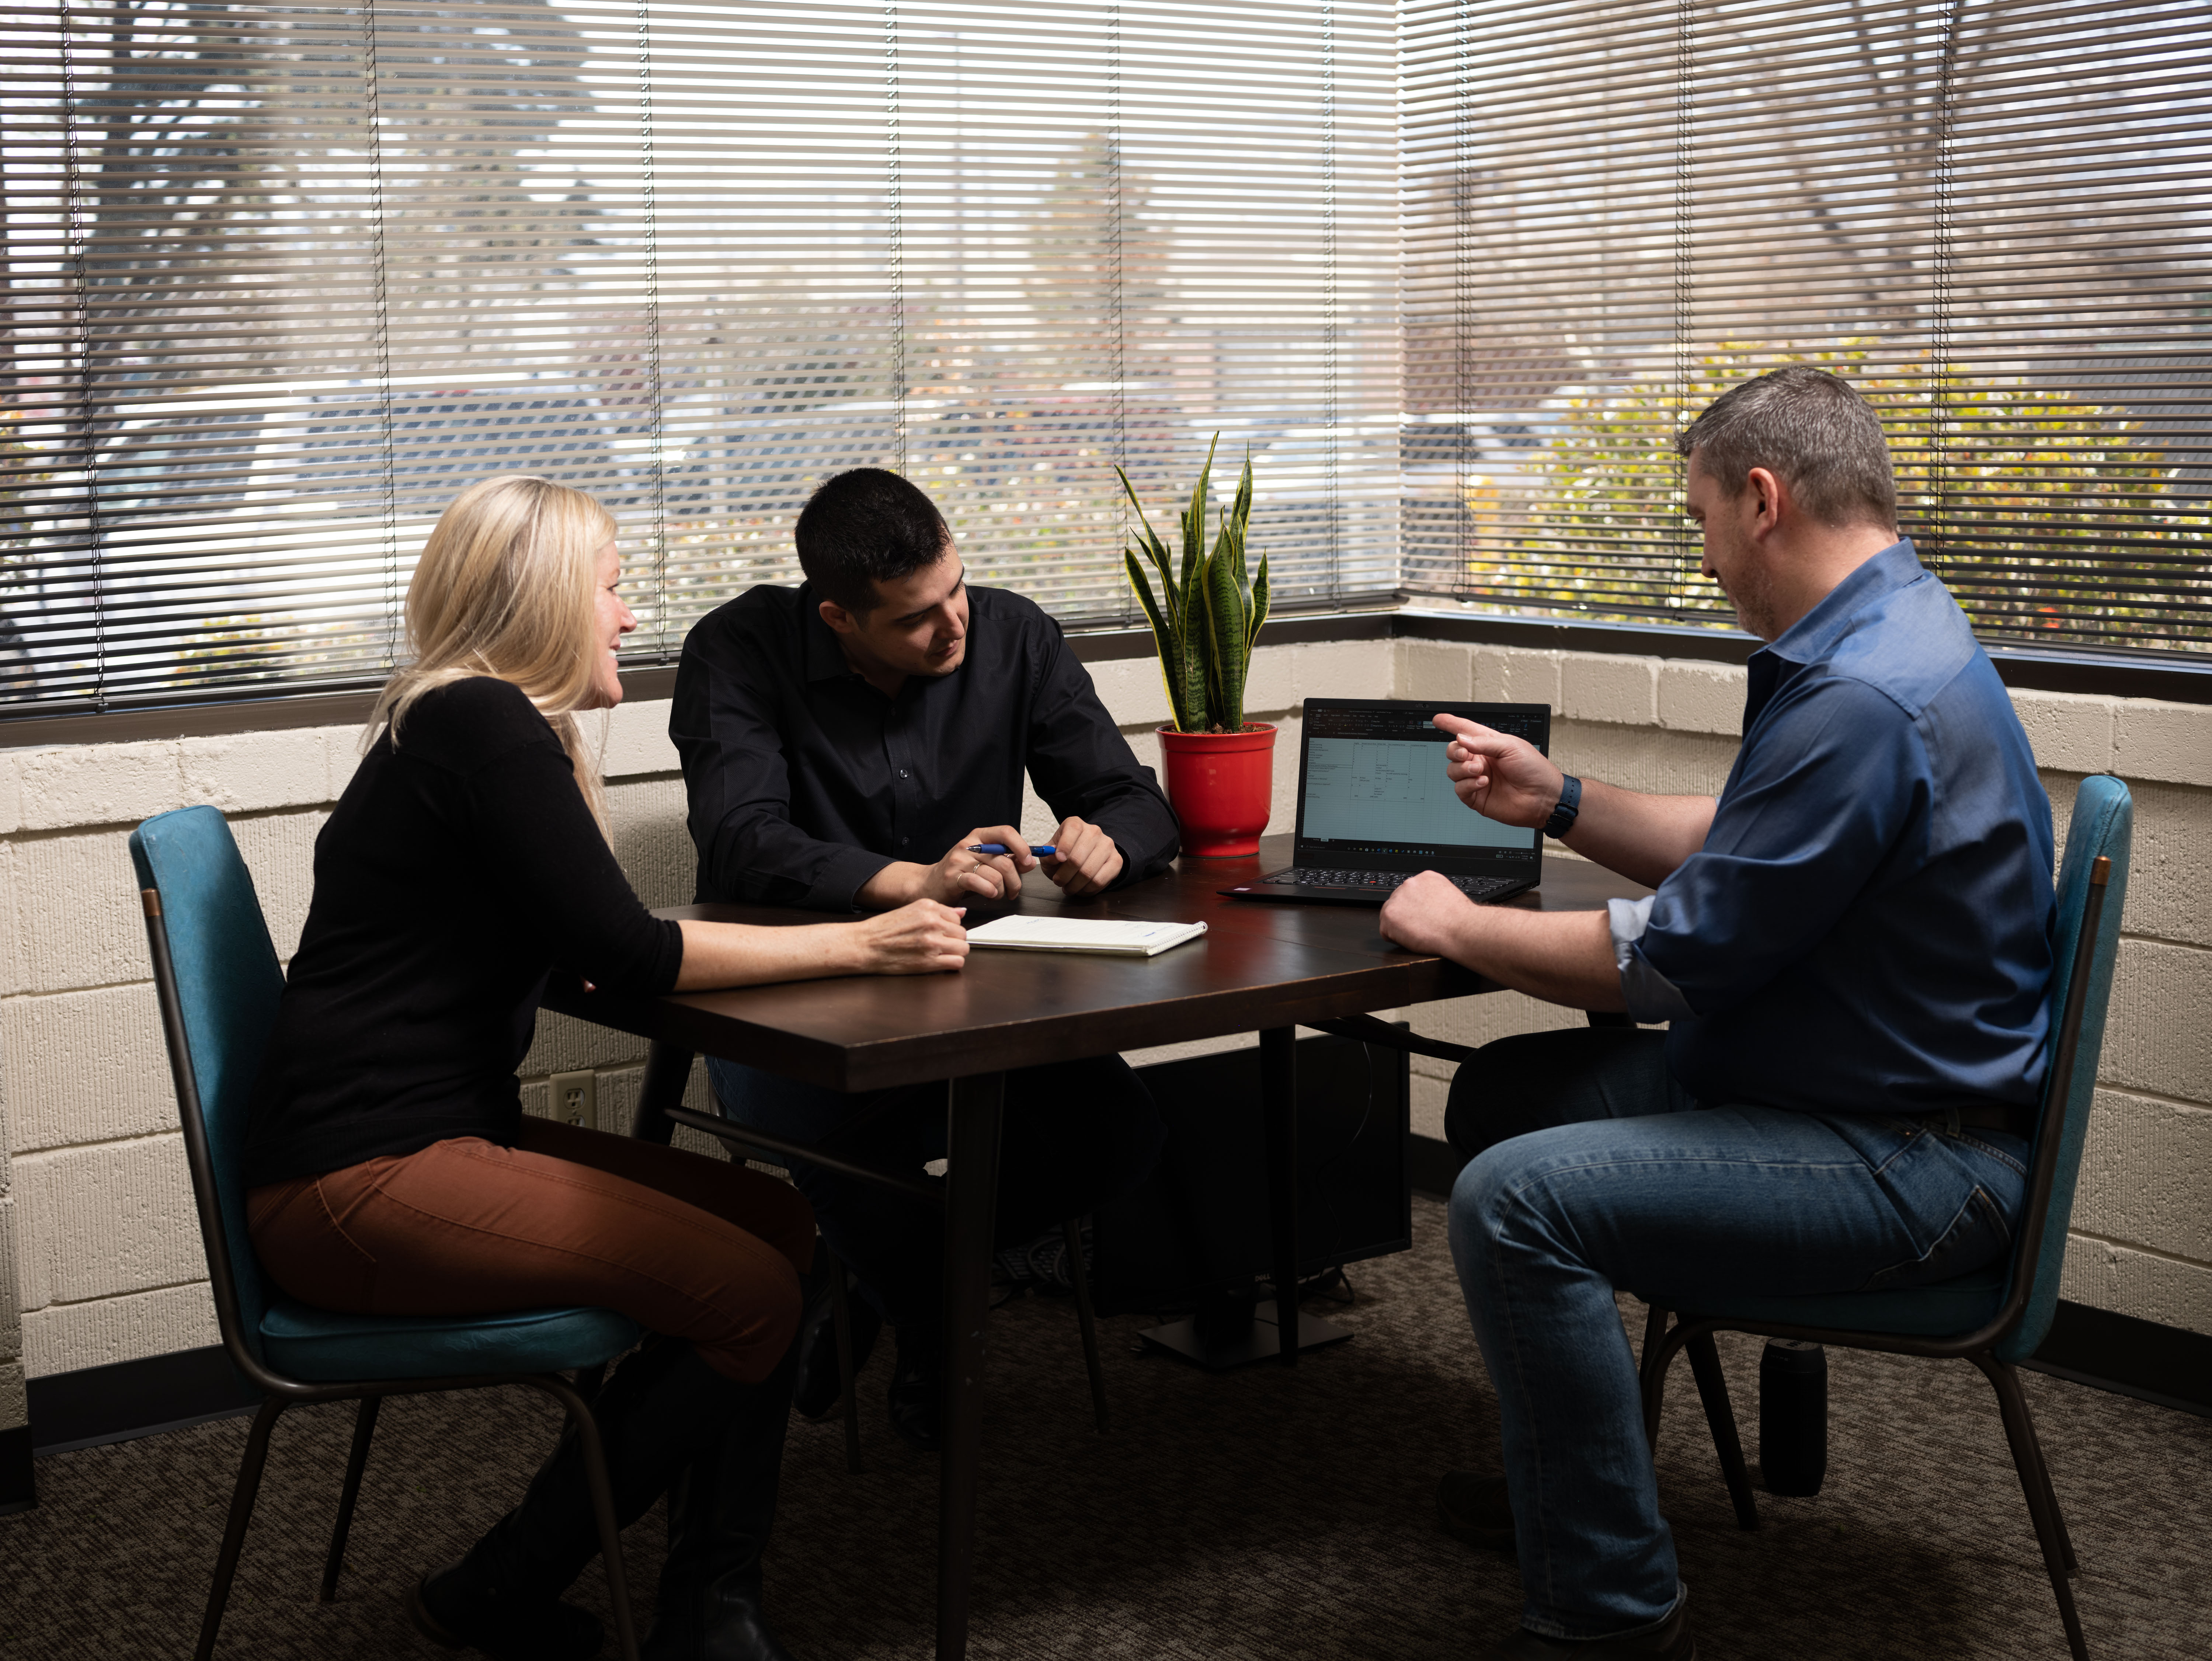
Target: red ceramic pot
1220 785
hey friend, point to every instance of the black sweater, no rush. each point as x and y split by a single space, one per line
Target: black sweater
457 871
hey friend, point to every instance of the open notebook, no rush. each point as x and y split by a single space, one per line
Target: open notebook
1114 937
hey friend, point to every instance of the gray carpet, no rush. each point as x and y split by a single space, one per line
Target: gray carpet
1267 1513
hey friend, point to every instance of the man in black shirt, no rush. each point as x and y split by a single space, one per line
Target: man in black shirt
844 746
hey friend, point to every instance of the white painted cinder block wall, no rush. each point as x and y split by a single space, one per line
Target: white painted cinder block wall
95 1207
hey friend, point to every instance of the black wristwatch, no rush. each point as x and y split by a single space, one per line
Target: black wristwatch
1570 802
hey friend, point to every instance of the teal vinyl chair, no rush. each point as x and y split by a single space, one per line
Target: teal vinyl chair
217 975
1995 1317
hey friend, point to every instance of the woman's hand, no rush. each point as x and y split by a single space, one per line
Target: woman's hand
919 938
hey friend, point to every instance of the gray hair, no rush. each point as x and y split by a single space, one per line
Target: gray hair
1811 430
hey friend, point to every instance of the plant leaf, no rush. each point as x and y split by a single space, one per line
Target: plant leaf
1158 552
1198 655
1164 640
1259 606
1228 615
1194 520
1239 520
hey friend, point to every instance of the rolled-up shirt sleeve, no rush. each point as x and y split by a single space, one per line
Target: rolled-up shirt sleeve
1806 823
1648 996
1083 769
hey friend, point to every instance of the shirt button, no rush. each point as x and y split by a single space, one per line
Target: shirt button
902 772
903 840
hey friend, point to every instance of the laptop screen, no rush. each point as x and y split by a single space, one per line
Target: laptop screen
1372 791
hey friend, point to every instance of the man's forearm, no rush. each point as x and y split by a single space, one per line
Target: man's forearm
1562 957
1642 837
896 884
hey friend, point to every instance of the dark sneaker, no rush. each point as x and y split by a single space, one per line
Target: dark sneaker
1475 1509
1670 1641
455 1609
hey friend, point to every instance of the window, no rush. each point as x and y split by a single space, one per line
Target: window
282 281
1996 214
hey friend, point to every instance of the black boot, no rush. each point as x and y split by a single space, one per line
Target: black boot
503 1598
719 1513
821 1387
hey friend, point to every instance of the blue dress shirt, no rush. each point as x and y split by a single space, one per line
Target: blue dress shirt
1867 928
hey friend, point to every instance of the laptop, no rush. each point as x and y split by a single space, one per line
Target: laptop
1375 807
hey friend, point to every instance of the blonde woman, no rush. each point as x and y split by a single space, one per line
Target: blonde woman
389 1166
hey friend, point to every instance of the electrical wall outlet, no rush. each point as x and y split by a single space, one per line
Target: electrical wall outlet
576 1099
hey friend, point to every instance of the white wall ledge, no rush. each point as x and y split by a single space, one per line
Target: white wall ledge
2166 676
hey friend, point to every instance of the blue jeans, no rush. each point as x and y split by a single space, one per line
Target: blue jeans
1590 1170
1075 1134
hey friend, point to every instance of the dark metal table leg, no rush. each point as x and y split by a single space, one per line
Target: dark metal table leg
841 1313
971 1189
1279 1109
667 1070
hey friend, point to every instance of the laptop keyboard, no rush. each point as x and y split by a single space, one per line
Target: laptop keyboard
1474 888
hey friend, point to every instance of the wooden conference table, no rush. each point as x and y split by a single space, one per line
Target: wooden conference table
1260 968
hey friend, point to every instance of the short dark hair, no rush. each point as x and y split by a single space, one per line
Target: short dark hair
865 527
1809 428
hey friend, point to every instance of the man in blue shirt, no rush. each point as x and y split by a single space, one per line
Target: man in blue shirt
1851 949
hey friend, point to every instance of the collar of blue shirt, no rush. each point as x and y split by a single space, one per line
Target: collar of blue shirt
1815 636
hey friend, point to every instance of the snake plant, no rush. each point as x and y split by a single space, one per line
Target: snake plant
1206 618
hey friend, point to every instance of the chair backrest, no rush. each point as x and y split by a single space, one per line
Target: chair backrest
215 971
2102 824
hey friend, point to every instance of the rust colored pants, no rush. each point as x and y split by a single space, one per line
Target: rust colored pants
682 1244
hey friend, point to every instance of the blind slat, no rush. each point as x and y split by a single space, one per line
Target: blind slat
1616 211
283 280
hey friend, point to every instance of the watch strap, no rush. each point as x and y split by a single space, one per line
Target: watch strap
1570 802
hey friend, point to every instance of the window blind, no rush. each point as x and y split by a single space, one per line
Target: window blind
1994 218
282 281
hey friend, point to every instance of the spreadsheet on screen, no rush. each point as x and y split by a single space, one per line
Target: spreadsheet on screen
1392 790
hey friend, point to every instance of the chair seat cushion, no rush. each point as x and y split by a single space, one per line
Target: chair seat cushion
320 1345
1947 1309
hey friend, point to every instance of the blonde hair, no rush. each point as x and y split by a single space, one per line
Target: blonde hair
506 587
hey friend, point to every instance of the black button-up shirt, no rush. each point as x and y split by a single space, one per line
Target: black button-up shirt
805 781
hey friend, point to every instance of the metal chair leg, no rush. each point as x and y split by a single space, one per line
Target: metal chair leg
242 1496
364 1427
1071 1231
1655 1328
2035 1486
586 1427
1720 1415
841 1315
2051 1500
1659 1346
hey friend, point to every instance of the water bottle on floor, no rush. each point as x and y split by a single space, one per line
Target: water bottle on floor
1793 1416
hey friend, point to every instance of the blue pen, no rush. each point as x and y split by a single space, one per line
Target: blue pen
1042 851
